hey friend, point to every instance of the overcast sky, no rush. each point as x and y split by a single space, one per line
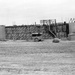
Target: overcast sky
31 11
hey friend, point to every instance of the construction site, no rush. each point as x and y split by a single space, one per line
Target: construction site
47 28
19 55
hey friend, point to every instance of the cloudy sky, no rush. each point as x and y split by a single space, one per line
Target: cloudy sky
31 11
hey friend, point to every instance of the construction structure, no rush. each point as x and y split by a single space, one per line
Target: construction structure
48 22
49 30
59 30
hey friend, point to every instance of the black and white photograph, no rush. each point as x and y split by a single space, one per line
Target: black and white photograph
37 37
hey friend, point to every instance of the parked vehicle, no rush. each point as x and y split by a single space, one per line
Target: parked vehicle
37 37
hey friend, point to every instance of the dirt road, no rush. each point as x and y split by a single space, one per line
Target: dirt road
37 58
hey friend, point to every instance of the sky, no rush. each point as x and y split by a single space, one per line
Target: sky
30 11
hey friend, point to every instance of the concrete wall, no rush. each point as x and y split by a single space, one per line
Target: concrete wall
2 32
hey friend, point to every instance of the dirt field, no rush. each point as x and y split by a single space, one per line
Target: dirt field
37 58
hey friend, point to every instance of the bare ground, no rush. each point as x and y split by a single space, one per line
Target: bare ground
37 58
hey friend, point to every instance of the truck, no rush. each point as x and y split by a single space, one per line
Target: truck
37 37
